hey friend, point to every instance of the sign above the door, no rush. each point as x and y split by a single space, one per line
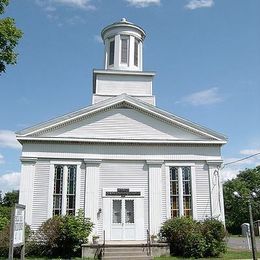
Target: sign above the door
123 193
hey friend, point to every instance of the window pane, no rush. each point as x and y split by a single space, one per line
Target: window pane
136 52
111 52
124 51
71 189
173 173
57 190
186 179
117 211
129 211
174 192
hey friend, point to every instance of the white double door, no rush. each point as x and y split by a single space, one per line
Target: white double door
123 219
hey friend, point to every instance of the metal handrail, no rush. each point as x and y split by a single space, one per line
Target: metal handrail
104 242
100 252
148 242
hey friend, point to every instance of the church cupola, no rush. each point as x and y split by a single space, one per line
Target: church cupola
123 72
123 46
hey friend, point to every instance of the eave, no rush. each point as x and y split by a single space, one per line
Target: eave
23 139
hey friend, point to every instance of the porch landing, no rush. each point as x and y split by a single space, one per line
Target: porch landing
126 250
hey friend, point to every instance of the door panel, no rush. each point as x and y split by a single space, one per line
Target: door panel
123 219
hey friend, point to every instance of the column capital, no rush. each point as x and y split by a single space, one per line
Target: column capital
28 159
92 161
154 162
214 163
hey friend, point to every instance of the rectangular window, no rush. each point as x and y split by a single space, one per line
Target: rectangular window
180 177
174 192
71 190
57 191
136 52
186 182
64 189
124 50
111 52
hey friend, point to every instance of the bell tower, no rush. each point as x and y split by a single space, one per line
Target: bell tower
123 46
123 64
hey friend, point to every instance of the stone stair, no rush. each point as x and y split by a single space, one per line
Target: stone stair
129 252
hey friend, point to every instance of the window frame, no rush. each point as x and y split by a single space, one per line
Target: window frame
180 184
136 51
111 61
127 39
65 165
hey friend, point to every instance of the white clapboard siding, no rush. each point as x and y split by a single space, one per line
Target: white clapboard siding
82 186
164 210
40 193
203 196
132 175
122 152
122 124
118 84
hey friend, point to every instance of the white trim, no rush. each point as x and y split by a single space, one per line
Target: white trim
65 162
179 164
168 200
111 140
180 184
28 159
64 190
154 162
77 198
51 187
194 192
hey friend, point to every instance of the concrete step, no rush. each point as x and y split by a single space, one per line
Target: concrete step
125 253
129 252
127 257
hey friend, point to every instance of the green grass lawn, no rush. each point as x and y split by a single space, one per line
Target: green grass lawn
231 254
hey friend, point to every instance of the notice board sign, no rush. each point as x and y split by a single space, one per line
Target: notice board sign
17 230
19 225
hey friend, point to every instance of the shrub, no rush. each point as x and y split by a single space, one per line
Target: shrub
190 238
62 236
214 234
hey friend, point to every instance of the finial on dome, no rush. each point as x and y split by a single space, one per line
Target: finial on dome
123 20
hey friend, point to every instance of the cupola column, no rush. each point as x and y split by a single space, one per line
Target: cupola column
123 46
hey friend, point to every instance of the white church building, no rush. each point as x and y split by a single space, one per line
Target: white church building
126 163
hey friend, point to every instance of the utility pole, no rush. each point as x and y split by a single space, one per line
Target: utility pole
252 232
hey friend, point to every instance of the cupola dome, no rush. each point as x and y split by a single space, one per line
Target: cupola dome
123 46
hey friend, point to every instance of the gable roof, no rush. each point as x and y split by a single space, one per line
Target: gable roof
126 101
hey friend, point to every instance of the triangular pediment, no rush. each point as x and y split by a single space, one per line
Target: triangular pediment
121 118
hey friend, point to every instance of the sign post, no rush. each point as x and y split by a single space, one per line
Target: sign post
17 230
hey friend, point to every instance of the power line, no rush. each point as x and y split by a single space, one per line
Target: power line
242 159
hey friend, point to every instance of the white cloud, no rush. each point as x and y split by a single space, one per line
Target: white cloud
250 151
8 139
10 181
205 97
232 170
98 39
82 4
1 159
75 20
143 3
51 5
194 4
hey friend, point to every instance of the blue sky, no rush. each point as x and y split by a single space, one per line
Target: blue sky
206 54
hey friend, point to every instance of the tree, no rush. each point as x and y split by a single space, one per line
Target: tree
10 198
9 37
236 210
